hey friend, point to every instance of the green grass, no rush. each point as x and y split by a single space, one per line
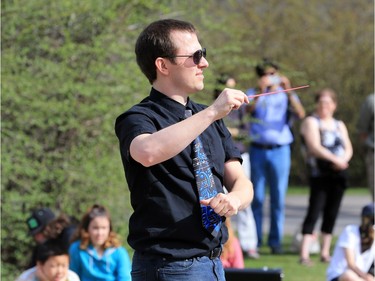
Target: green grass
304 190
288 262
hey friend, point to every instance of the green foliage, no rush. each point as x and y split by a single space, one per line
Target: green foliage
65 72
68 70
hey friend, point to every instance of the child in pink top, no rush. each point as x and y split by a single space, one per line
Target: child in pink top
232 256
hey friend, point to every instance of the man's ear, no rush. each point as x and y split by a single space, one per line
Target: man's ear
162 66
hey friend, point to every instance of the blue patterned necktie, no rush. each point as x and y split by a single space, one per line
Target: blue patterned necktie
205 185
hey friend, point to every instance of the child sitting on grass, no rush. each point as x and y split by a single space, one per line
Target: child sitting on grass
353 257
96 253
52 264
232 256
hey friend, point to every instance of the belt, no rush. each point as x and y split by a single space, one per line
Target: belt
266 146
213 254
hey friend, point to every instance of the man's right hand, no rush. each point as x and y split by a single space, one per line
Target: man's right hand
228 100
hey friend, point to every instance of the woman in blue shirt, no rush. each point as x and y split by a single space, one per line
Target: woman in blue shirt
97 253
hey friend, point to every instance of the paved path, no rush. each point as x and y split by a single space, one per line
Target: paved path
295 210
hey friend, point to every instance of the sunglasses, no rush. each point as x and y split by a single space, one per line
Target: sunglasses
197 56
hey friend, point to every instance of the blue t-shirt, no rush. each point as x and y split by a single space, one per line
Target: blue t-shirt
114 264
270 124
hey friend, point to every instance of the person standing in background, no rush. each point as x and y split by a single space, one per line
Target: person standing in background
328 151
270 151
237 124
365 128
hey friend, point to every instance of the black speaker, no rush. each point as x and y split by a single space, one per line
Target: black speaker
254 274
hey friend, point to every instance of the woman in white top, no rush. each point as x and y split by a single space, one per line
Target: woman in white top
353 257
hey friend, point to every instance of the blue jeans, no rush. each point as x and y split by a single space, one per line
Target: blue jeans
270 166
152 268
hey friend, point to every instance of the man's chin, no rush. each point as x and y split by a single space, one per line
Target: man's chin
200 87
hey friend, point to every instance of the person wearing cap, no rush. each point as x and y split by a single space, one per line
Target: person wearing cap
44 225
36 223
354 253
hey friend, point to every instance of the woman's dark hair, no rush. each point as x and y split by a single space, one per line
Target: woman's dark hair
83 229
366 228
260 69
155 41
326 91
50 248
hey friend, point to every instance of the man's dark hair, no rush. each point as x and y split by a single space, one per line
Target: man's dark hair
260 69
48 249
154 41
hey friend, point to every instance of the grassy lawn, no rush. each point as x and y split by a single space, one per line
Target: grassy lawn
288 262
304 190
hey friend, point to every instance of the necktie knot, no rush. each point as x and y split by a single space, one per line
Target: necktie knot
188 113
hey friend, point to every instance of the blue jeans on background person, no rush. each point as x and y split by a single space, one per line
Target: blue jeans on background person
272 167
152 268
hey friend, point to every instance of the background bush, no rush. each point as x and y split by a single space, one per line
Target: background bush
68 70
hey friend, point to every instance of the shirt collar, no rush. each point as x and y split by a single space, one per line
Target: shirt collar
170 104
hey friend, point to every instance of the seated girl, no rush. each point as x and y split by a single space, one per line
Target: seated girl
97 253
353 257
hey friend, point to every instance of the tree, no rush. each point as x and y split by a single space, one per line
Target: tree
69 70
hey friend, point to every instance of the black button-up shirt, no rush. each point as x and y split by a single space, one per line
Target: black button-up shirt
167 216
